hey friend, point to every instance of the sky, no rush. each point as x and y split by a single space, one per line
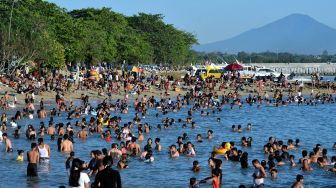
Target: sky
215 20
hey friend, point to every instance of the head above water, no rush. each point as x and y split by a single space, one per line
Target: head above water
108 161
33 145
40 140
299 177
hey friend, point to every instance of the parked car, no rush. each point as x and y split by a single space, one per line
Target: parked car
264 72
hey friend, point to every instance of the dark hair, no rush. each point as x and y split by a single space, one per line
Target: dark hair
33 145
108 161
333 159
255 161
75 173
274 170
59 143
299 177
218 163
192 181
304 153
104 150
40 140
98 152
278 158
324 151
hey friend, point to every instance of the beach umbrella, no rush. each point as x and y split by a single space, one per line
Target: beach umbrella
233 67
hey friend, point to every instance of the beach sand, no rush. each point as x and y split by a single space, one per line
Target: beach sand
49 96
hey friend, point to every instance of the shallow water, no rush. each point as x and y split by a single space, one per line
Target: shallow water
311 124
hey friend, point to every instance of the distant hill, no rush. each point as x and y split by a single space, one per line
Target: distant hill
295 33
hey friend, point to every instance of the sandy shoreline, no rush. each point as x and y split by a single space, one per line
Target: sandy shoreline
49 96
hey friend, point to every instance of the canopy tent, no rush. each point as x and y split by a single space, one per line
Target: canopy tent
137 69
212 67
234 67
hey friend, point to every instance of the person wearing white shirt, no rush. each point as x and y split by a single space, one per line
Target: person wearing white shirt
77 178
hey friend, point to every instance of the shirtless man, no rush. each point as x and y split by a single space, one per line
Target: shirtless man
44 150
42 113
66 145
9 147
51 129
298 183
158 146
133 146
82 134
33 158
144 99
114 151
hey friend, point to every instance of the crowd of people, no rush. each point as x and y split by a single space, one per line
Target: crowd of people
200 97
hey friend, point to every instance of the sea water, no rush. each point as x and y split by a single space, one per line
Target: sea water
310 124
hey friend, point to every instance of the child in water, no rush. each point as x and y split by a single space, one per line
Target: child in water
196 166
20 155
193 183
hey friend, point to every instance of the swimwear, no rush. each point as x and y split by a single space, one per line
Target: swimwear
108 139
43 152
44 160
32 170
9 150
19 158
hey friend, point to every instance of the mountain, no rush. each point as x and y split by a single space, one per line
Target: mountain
295 33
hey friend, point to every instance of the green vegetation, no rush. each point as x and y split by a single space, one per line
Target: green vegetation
43 31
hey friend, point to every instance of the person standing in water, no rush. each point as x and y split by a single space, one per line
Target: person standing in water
66 145
82 134
33 158
298 182
107 177
259 174
8 142
44 150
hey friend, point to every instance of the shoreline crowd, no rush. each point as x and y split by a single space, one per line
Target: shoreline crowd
199 97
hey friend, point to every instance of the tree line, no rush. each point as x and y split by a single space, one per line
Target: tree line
36 30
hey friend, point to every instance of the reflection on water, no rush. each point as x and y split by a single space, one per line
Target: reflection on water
311 124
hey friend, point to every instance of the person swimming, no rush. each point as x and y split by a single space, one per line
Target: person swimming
196 167
20 155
